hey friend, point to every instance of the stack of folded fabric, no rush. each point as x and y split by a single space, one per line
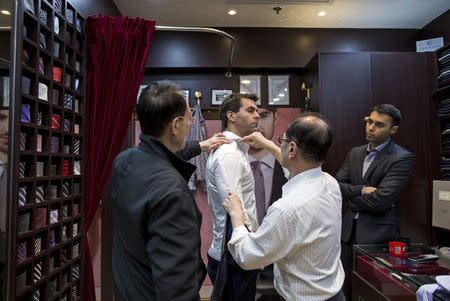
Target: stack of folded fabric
444 72
445 138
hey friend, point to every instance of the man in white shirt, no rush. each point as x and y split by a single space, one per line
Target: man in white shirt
228 170
301 232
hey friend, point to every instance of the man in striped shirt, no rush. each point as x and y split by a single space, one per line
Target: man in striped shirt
301 232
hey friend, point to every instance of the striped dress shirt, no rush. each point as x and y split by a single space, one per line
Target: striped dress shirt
301 235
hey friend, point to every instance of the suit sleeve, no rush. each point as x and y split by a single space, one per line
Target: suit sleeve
191 149
173 248
348 190
389 189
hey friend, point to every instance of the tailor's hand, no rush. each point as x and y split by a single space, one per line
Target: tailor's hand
257 140
233 206
214 142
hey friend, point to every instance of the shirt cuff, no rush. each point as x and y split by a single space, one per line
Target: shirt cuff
238 233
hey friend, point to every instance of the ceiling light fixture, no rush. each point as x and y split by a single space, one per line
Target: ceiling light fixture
232 12
5 12
245 81
322 14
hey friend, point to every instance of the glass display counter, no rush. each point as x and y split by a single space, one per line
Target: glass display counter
377 275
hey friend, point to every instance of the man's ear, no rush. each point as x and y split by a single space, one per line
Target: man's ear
394 129
230 116
175 125
293 149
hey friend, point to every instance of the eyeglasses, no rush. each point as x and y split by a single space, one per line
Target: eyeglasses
281 139
377 124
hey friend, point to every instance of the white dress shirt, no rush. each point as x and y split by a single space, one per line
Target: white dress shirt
228 170
301 234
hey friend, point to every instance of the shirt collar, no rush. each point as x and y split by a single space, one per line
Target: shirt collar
268 160
379 147
301 178
235 138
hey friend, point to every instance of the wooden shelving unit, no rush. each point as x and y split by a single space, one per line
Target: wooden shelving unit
48 194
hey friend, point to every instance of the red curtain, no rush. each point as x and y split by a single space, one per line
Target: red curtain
117 52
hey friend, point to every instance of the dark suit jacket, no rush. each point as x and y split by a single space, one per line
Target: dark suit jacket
378 211
156 245
277 183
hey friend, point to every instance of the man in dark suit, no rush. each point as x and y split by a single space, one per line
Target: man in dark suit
270 183
156 245
371 180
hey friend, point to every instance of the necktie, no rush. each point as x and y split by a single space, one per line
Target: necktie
37 272
75 250
23 223
58 5
26 115
40 194
65 189
22 141
41 65
75 230
76 147
51 239
21 169
22 196
40 218
260 195
53 216
21 282
52 288
64 211
368 160
76 168
21 252
37 246
36 295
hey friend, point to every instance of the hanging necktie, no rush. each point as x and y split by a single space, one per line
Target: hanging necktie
260 194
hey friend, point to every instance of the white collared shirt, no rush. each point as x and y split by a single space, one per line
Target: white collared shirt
301 234
228 170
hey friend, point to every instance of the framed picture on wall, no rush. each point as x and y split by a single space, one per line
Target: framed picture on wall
278 90
185 93
250 84
217 96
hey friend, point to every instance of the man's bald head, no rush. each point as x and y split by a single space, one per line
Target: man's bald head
313 136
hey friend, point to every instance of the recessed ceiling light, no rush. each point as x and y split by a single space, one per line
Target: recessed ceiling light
322 14
245 81
232 12
5 12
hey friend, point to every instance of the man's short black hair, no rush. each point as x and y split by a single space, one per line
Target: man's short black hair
159 103
390 110
313 135
233 103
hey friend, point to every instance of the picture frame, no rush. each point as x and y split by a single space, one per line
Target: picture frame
218 95
250 84
278 90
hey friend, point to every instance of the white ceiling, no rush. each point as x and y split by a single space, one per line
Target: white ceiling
340 13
